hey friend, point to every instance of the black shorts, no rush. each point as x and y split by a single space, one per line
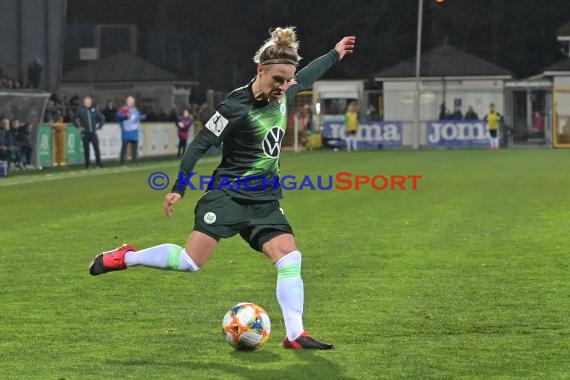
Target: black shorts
493 133
219 215
351 133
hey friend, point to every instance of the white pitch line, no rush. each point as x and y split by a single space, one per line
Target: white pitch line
29 179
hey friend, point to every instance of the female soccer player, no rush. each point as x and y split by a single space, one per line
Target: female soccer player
251 122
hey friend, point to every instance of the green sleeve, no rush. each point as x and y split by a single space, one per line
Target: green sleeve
312 72
197 148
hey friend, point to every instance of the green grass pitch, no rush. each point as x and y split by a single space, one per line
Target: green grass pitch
468 276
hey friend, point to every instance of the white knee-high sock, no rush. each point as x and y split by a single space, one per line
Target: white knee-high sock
164 256
290 293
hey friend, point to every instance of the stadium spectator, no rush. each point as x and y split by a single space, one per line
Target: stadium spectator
69 115
130 118
149 114
538 125
183 126
173 115
16 133
308 116
493 120
57 106
457 114
162 116
305 115
73 101
89 119
5 140
109 111
53 108
26 142
56 101
351 125
443 112
33 116
6 81
35 73
332 108
371 113
11 143
471 114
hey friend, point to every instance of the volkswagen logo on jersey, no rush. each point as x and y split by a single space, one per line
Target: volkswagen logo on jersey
272 142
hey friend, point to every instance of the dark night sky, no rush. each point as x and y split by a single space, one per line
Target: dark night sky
213 41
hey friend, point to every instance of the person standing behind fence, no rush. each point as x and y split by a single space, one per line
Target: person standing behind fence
471 114
457 114
493 120
5 141
183 125
130 118
88 119
109 111
15 145
538 126
35 73
351 125
26 141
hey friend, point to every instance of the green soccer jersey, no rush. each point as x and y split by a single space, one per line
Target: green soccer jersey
251 132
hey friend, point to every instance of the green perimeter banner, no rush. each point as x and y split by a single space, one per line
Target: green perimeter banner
73 145
44 144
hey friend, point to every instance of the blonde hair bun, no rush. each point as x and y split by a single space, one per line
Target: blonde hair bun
285 37
280 47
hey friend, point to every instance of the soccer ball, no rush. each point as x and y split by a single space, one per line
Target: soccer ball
246 326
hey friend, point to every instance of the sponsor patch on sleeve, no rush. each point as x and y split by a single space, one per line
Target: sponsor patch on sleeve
217 124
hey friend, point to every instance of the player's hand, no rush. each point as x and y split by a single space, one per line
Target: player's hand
169 200
82 129
345 46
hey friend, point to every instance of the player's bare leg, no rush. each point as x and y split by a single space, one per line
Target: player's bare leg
199 247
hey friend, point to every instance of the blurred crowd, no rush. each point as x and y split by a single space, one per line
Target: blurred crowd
16 143
66 107
20 117
446 114
32 78
8 82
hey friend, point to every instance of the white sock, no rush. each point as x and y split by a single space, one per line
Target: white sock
290 293
164 256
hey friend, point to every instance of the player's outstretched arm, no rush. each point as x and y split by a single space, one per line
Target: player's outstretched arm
317 68
345 46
